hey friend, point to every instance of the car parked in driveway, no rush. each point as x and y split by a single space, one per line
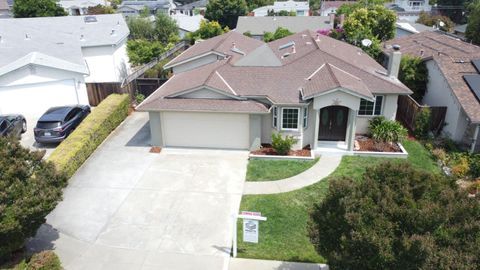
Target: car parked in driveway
58 122
12 125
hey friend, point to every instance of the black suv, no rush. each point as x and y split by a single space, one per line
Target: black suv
58 122
12 125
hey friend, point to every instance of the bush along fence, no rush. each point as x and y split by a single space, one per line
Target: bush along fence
418 118
73 152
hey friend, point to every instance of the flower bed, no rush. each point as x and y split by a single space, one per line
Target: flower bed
367 144
267 151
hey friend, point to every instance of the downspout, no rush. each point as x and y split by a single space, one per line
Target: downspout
474 141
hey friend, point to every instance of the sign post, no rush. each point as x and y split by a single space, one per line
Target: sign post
250 228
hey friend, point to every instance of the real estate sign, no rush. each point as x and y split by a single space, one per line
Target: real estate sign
250 230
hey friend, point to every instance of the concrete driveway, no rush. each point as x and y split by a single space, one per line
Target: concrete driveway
28 139
127 208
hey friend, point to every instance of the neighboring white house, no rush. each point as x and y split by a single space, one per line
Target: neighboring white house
193 8
135 7
257 26
80 7
300 8
233 92
187 23
409 10
51 61
450 62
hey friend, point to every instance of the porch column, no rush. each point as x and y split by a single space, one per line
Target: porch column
317 124
352 119
475 138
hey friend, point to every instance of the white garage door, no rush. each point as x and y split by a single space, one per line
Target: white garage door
209 130
33 100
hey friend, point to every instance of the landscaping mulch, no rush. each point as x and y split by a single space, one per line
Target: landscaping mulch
155 149
368 144
267 150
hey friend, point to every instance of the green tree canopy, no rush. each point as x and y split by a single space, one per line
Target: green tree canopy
253 4
278 34
414 74
100 9
207 30
454 9
473 27
141 28
37 8
397 217
373 22
226 12
29 189
165 27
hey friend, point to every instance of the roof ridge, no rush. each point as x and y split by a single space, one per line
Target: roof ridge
351 75
222 40
335 79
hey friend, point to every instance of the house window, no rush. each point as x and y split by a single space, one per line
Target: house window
275 117
290 118
305 117
371 108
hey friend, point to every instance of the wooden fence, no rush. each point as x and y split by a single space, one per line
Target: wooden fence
99 91
408 109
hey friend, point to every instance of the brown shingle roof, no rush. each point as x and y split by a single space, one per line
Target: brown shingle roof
348 67
204 105
452 56
220 45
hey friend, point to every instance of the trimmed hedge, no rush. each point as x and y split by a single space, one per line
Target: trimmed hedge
73 152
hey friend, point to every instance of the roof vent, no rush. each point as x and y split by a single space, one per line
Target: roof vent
112 33
1 40
422 52
317 38
82 38
27 37
236 50
304 36
90 19
396 47
287 45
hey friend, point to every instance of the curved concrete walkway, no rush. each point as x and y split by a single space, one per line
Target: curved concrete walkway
324 167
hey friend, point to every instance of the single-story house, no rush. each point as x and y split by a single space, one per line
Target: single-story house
406 28
233 91
52 61
300 8
5 9
186 23
257 26
80 7
453 67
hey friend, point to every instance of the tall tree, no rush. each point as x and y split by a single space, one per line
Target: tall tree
454 9
473 27
37 8
373 22
226 12
165 27
207 30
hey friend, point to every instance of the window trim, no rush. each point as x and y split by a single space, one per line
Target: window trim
374 105
298 117
275 117
305 117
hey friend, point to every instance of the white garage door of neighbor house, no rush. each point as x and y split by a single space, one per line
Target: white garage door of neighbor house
209 130
33 100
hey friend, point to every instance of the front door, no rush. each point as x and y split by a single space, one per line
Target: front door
333 123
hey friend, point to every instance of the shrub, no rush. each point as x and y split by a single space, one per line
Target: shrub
414 74
72 152
282 145
29 189
440 155
397 217
461 168
474 164
139 97
422 123
387 131
45 260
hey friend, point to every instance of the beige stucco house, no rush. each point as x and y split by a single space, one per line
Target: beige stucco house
233 92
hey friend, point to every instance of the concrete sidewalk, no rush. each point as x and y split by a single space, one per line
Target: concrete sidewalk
323 168
242 264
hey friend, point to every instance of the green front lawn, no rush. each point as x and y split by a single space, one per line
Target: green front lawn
284 235
269 170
